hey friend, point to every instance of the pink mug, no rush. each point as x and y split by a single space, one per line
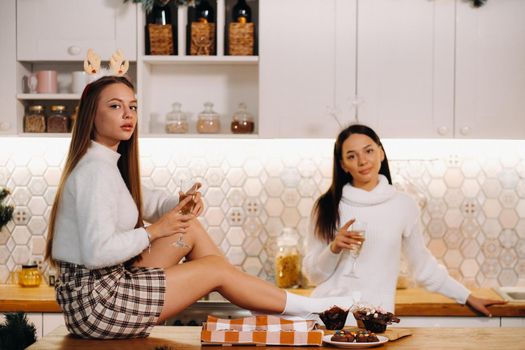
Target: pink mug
44 82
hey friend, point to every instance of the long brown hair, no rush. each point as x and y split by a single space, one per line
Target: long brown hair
326 208
82 134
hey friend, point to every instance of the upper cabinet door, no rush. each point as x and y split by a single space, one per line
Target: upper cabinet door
63 30
490 72
405 60
297 68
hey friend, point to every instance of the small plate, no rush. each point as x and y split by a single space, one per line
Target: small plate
354 345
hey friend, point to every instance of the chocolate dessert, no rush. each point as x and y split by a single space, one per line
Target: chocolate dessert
334 318
343 336
374 320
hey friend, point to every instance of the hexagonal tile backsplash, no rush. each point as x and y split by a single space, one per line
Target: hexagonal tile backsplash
472 196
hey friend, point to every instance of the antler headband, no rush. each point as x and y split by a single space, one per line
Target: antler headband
118 64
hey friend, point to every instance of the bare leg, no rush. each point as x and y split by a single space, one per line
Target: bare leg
164 253
211 273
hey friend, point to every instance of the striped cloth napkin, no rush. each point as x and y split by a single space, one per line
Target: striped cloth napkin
264 330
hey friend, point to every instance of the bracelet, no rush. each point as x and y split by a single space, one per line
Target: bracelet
150 240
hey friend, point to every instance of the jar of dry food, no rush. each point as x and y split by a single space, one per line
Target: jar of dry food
287 260
58 120
29 276
209 121
35 120
176 120
242 122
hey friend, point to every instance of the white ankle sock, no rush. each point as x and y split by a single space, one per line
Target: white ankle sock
297 305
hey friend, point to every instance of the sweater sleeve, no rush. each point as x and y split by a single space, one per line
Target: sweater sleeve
156 203
426 269
101 245
319 262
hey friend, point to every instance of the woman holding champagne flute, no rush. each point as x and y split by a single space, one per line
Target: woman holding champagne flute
361 225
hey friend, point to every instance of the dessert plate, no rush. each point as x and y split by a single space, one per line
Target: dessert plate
354 345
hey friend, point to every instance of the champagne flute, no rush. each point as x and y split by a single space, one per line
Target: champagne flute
188 188
359 229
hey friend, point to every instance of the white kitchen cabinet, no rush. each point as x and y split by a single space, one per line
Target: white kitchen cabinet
63 30
298 66
8 119
405 67
513 322
52 321
490 70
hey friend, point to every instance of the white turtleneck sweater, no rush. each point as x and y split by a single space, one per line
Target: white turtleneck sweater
95 223
393 223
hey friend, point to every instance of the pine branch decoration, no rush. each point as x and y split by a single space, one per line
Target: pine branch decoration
147 5
478 3
6 211
16 333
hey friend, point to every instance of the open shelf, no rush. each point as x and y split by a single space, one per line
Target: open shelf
153 60
48 96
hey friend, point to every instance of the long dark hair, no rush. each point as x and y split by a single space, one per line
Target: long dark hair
326 208
82 134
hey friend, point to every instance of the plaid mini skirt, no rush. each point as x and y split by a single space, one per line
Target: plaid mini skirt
110 303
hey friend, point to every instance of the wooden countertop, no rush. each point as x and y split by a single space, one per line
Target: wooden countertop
409 302
188 338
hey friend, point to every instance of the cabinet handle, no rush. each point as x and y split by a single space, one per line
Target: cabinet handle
442 130
4 126
464 130
73 50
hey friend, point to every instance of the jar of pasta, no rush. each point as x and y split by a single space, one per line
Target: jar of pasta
35 120
287 260
176 120
209 121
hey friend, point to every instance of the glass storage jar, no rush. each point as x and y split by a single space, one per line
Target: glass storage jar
29 276
242 122
176 120
58 120
287 260
209 121
35 120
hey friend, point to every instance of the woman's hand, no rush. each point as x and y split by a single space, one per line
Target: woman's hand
344 239
480 305
172 222
194 193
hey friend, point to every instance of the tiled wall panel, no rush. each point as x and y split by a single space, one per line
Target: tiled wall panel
472 196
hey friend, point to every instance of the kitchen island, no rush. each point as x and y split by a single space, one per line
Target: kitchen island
409 302
188 338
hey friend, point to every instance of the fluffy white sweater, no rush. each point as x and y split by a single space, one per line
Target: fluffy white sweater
95 223
393 224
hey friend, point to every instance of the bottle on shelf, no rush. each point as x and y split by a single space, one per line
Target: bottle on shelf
176 120
201 31
209 121
242 122
240 38
161 29
241 12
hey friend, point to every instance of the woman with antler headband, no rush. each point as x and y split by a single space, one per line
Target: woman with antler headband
117 277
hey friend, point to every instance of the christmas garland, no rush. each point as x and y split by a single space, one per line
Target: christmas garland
147 5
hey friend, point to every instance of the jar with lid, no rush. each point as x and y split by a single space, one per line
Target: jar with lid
287 260
176 120
58 120
29 276
35 120
242 122
209 121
